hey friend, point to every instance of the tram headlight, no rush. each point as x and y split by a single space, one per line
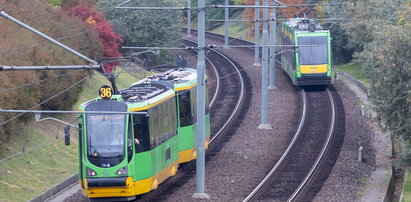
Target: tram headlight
122 171
90 172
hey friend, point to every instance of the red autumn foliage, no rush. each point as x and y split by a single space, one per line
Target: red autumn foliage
110 40
293 11
17 49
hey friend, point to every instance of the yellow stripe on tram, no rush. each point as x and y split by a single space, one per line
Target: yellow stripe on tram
313 69
151 105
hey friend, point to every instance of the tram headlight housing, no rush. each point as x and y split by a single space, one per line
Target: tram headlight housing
90 172
122 171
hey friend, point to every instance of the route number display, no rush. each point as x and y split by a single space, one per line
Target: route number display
105 92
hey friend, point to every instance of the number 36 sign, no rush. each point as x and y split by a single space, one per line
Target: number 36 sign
105 92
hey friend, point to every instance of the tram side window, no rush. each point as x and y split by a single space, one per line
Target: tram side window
167 117
289 55
185 109
156 126
151 123
164 118
80 129
173 116
193 96
141 133
130 141
293 63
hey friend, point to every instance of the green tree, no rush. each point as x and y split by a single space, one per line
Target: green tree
215 13
388 66
367 16
143 27
238 2
55 3
379 34
342 53
68 30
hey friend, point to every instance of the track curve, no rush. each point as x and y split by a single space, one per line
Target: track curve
223 116
292 177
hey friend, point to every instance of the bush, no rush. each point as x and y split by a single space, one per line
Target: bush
111 42
19 43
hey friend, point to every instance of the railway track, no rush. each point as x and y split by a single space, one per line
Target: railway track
308 191
224 111
311 154
225 107
233 41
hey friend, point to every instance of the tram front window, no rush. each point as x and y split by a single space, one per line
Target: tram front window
314 50
105 136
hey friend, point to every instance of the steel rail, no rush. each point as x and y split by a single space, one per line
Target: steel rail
218 88
211 105
233 40
304 185
238 104
289 148
191 165
298 193
240 99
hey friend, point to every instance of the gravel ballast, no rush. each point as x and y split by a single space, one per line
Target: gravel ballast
348 179
249 153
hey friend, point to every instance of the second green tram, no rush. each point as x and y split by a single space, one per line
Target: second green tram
310 62
124 155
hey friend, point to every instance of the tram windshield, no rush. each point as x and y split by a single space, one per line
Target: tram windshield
315 54
105 135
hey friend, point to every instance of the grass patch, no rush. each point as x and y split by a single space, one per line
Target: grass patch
363 186
354 70
236 30
46 161
407 188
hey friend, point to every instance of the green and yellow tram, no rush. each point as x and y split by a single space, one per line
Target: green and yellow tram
124 155
184 83
309 63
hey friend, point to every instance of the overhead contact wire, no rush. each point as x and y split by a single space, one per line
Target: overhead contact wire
40 81
64 37
52 97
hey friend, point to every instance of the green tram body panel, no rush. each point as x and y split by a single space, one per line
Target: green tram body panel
312 64
149 163
185 87
151 144
186 135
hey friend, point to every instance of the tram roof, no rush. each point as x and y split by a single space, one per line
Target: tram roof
304 25
177 79
140 96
